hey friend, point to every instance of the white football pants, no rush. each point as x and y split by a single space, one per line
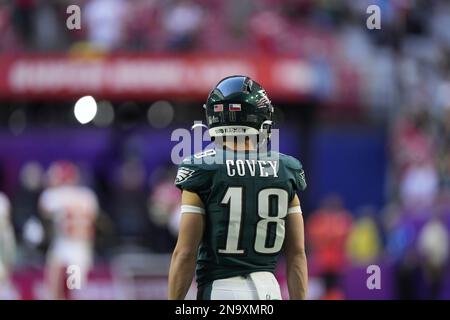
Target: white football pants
255 286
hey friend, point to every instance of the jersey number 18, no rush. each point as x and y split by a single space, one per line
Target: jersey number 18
233 199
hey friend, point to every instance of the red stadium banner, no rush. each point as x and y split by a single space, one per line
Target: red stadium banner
163 77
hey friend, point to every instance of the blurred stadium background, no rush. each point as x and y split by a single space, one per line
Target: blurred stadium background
366 111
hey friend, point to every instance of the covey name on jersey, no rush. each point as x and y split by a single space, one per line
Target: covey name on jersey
261 168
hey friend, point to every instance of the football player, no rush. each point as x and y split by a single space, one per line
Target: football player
240 207
72 210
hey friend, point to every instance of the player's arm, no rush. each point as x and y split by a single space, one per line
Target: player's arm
183 262
296 264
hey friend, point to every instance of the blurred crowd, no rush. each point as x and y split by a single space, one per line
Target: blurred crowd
403 65
133 211
62 215
411 233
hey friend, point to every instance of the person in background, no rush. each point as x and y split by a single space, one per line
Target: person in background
433 248
326 231
399 249
164 211
128 203
72 210
419 186
364 244
183 22
105 21
7 247
26 198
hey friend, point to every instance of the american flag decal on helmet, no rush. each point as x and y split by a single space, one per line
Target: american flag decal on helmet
218 108
183 174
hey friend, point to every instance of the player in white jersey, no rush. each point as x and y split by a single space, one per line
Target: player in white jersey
73 210
7 244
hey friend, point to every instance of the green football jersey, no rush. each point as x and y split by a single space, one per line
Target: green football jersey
246 197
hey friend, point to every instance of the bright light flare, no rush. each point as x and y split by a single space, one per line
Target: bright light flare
85 109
